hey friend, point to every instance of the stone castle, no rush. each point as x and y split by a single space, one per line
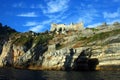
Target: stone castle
63 28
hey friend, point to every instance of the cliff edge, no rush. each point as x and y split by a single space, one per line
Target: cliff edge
88 48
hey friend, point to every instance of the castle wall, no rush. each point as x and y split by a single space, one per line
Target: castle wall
63 27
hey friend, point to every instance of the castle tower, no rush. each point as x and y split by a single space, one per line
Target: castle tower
79 26
53 27
63 27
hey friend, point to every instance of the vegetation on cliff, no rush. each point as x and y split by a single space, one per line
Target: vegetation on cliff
6 30
30 39
57 50
100 36
5 33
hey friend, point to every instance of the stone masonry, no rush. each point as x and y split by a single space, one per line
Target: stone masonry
63 28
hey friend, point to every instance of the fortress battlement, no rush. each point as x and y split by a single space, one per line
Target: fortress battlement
63 27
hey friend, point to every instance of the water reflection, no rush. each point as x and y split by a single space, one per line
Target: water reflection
15 74
71 75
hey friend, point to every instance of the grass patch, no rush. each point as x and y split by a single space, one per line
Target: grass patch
100 36
93 29
23 40
29 40
82 38
42 38
103 35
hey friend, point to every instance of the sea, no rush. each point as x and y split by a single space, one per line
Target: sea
18 74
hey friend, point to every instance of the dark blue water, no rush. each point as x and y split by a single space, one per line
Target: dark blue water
16 74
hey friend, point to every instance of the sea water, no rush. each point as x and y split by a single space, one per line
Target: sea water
18 74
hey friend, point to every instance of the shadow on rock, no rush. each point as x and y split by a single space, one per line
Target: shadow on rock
92 63
84 62
68 60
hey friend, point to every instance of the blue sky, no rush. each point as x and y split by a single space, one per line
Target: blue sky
37 15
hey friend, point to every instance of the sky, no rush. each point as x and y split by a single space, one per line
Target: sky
38 15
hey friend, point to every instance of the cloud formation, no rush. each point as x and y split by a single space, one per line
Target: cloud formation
87 13
29 14
36 28
66 11
93 25
54 6
39 26
31 24
112 14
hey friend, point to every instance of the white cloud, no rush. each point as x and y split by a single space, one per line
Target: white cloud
112 14
54 6
31 24
51 7
108 22
112 17
93 25
30 14
59 16
36 28
112 21
88 14
40 26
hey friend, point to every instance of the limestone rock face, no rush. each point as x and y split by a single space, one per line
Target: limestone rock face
6 56
73 50
107 55
62 59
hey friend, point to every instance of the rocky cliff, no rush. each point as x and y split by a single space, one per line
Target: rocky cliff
91 48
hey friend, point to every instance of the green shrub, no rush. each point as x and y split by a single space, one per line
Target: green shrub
42 38
104 35
23 40
100 36
82 38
